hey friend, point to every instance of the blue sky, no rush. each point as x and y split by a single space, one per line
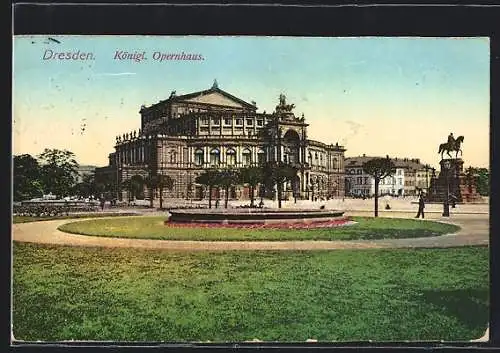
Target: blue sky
396 96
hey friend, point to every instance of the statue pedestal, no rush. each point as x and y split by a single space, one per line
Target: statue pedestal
452 180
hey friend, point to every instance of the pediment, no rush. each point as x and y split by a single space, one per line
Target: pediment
215 98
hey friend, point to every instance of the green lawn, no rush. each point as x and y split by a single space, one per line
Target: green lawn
26 219
62 293
153 228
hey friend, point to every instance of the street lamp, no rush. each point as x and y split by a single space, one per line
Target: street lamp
446 204
427 168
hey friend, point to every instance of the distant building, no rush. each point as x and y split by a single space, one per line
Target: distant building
84 170
408 180
186 134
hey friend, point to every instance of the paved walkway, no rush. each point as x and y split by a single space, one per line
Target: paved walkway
475 231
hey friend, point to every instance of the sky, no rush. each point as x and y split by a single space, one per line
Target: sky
374 95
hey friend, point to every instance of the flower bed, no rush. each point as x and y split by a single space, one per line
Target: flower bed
278 225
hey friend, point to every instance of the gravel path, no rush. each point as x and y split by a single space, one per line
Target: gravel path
475 231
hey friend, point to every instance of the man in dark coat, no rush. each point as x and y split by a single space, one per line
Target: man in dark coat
421 206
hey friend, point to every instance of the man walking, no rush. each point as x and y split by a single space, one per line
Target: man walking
421 206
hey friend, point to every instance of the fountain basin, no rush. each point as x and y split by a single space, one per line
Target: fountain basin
254 216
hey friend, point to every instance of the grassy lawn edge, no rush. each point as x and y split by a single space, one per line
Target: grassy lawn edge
152 227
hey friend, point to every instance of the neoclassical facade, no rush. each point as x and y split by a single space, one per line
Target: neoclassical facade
186 134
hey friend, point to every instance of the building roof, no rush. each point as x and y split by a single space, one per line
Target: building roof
408 163
214 89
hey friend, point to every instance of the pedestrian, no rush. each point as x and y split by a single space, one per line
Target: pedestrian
421 206
217 203
102 203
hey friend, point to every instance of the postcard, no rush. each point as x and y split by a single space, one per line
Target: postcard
213 189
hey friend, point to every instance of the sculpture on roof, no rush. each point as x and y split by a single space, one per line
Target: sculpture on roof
282 107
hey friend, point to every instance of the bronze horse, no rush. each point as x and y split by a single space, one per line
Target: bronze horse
445 147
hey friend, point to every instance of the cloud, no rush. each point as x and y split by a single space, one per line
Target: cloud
354 128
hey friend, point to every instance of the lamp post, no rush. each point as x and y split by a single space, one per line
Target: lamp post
427 168
446 204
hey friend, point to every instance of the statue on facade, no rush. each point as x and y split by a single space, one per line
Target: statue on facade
124 137
134 134
451 145
282 100
282 107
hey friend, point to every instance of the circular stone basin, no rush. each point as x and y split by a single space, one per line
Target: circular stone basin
262 217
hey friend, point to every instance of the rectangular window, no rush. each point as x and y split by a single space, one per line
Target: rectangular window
239 121
247 159
360 180
259 122
228 121
249 122
204 121
216 121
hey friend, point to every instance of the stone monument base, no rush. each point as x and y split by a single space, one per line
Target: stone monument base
452 181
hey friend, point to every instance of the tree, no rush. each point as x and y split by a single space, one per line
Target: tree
134 186
26 173
379 168
137 186
151 182
105 184
86 187
209 178
278 174
159 182
252 176
127 185
481 177
164 182
228 178
58 172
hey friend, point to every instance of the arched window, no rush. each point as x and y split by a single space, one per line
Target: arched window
261 157
173 157
198 157
335 163
310 158
321 160
214 157
247 157
231 157
286 155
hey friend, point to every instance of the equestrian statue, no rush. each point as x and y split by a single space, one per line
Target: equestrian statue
452 145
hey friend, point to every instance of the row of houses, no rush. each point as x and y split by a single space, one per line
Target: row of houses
411 178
